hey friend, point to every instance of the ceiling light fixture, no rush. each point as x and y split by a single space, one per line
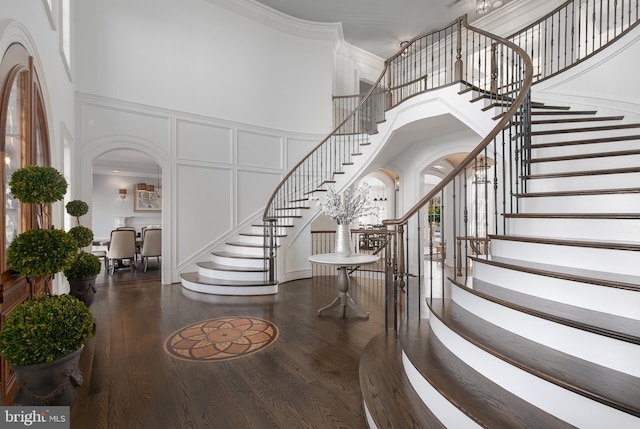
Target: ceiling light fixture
404 46
482 6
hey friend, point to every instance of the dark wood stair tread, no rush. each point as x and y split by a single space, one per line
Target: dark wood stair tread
210 265
596 382
607 279
620 328
480 398
618 216
240 244
197 278
388 393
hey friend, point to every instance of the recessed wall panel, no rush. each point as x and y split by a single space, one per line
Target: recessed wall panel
204 142
254 190
259 150
106 121
203 207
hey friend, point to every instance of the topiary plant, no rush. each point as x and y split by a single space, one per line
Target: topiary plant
82 235
41 252
77 208
43 329
84 265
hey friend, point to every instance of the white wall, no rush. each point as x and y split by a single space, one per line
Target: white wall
199 57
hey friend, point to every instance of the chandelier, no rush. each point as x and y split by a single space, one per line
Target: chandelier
483 6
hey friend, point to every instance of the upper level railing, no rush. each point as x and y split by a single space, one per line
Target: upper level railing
574 31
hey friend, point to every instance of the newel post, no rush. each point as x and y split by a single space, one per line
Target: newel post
400 250
458 65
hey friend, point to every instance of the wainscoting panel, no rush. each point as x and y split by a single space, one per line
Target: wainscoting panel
255 188
204 204
259 150
204 142
100 121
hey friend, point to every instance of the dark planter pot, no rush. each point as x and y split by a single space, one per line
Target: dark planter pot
84 289
52 383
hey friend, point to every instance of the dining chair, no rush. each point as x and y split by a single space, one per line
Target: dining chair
151 246
122 246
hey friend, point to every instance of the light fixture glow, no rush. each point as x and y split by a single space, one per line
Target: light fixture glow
482 6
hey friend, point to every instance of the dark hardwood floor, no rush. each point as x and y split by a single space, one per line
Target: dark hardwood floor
307 379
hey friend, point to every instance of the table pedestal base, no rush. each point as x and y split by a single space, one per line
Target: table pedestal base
343 297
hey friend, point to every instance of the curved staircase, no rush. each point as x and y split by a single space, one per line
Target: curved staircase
546 331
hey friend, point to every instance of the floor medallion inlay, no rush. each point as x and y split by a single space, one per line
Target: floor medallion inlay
221 339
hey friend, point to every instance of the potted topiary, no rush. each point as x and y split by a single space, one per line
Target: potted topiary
43 327
85 266
42 340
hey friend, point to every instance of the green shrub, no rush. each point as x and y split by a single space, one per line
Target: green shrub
77 208
82 235
41 252
35 184
43 329
84 265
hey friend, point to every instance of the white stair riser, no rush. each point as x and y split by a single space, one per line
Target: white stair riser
605 260
600 203
601 350
230 290
253 239
559 137
619 302
449 414
575 149
607 162
238 262
571 407
242 250
573 125
588 229
231 275
579 183
280 231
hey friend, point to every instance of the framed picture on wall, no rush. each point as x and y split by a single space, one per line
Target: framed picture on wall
146 198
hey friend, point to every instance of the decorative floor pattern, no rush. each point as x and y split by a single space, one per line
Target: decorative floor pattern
221 339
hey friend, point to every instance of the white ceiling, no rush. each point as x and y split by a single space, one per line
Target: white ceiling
378 26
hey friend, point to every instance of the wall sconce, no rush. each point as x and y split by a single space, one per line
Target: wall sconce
123 193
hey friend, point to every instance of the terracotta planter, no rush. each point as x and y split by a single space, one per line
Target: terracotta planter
51 383
84 289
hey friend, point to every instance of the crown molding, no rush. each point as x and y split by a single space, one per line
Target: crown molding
279 21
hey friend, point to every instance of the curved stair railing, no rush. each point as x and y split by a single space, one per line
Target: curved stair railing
573 32
454 54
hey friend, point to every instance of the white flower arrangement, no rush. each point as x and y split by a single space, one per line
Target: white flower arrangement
347 207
